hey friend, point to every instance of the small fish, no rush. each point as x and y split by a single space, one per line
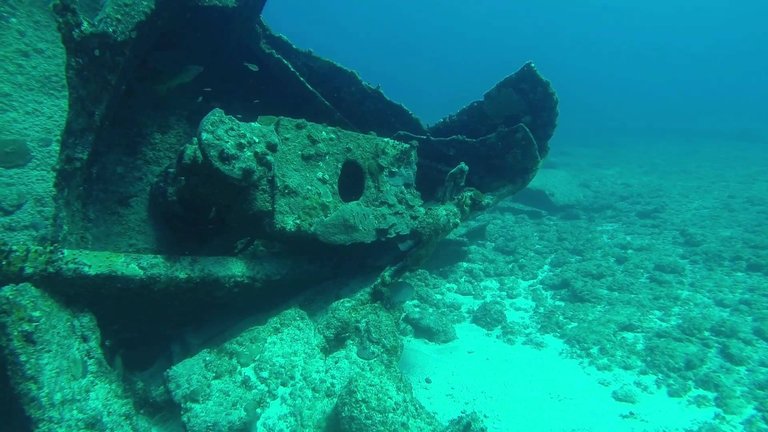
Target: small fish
251 66
187 74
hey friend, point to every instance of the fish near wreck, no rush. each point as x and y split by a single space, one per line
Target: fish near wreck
186 75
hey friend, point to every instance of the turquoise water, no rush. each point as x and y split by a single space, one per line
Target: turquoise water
618 67
656 278
625 289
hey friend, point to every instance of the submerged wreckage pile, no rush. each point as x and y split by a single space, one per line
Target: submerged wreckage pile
210 169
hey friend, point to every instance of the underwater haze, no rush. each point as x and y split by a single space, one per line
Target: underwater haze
651 67
205 226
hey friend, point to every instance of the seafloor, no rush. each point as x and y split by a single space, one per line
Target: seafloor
646 259
625 290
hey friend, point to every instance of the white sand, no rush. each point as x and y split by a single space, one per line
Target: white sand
521 388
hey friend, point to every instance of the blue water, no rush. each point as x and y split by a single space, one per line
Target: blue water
662 142
654 67
624 290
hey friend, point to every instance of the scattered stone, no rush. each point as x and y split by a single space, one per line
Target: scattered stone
490 314
467 423
511 333
380 400
677 387
625 394
428 324
280 376
730 401
240 385
369 327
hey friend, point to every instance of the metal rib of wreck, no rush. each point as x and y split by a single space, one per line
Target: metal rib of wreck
152 157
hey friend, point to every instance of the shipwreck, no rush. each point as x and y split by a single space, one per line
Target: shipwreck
209 169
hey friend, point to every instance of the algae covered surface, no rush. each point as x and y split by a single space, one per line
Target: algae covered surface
33 109
254 239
